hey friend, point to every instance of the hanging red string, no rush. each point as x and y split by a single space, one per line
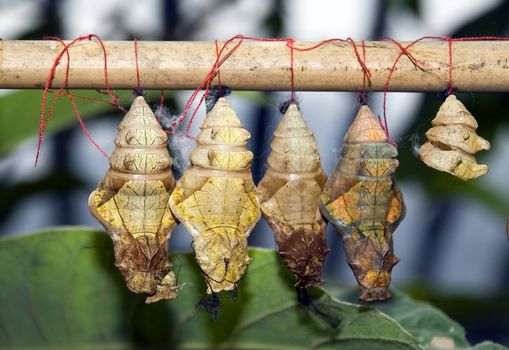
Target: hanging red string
362 96
113 96
206 83
449 42
161 100
138 90
224 53
218 71
366 73
290 44
365 69
403 51
220 59
45 117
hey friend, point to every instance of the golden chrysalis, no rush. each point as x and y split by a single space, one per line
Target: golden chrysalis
289 194
215 198
453 142
131 202
363 202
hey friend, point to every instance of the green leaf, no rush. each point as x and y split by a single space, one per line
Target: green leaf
59 289
433 328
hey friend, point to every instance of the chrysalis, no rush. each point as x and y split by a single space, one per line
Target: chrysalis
131 203
453 142
289 194
363 202
215 198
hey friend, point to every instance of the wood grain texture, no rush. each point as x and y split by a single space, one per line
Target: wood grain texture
477 65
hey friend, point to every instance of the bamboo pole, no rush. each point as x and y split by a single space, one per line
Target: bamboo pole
477 65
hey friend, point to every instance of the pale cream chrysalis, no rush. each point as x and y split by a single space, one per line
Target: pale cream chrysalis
453 142
289 194
131 202
215 198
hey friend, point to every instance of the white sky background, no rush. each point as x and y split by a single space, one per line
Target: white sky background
305 20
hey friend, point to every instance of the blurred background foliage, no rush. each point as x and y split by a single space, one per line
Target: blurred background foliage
453 246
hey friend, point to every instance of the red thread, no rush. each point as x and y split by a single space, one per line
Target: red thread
415 61
83 127
225 52
449 41
365 76
290 44
221 58
403 51
113 96
321 43
87 98
207 80
365 69
161 100
45 117
138 92
218 72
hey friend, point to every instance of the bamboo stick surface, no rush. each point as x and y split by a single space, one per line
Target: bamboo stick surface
255 65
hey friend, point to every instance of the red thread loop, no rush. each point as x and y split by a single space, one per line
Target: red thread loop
362 94
290 44
404 51
221 56
161 100
45 117
449 41
223 53
218 72
138 90
365 69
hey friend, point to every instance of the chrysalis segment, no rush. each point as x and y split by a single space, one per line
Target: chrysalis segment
131 203
453 142
215 198
363 202
289 194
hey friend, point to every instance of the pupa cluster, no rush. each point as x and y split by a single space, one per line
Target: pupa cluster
139 202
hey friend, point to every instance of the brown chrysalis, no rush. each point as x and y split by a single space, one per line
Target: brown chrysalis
289 194
131 203
453 142
215 198
363 202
